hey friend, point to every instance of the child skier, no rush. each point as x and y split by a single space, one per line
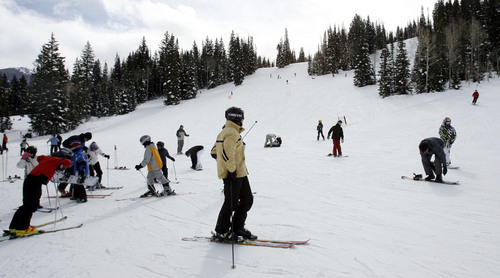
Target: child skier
32 190
153 161
163 155
94 165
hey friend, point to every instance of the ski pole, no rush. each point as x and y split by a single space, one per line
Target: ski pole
150 186
175 173
249 130
47 187
232 223
107 171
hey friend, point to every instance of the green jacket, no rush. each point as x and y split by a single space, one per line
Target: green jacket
229 151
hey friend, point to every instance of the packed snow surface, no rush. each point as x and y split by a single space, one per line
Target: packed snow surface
362 219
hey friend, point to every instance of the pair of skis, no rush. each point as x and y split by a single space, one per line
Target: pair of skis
152 196
259 242
8 236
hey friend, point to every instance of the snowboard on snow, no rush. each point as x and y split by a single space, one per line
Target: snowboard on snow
420 178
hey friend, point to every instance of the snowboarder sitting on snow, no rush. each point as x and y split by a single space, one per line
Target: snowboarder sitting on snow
153 160
448 135
32 190
272 141
94 165
229 152
163 155
195 153
429 147
337 135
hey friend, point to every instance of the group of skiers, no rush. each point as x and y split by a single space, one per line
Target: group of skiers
74 159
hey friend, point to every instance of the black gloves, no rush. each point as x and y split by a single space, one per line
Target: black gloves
445 170
231 175
138 166
106 156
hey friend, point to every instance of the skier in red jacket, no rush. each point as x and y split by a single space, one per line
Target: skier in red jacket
32 190
475 96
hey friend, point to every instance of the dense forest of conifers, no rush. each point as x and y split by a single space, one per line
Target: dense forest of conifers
460 41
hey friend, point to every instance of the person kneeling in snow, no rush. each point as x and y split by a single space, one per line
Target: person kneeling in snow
153 160
272 141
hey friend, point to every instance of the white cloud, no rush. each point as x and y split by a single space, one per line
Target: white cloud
113 26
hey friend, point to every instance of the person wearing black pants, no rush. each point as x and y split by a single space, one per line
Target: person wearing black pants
242 201
32 191
229 151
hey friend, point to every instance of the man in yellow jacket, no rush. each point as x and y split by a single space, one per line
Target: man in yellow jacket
229 151
153 160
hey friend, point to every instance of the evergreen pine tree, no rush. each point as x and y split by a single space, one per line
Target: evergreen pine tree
48 91
386 81
5 122
401 69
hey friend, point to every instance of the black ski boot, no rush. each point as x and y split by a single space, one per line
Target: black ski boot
246 234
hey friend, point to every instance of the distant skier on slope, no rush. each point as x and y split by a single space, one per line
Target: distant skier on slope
475 96
319 128
337 135
429 147
152 159
448 135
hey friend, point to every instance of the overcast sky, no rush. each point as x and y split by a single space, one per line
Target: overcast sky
118 26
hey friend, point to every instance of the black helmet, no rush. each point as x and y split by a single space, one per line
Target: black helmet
235 114
32 150
64 153
160 144
145 139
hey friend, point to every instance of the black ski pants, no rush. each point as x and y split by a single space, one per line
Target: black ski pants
32 191
97 169
238 195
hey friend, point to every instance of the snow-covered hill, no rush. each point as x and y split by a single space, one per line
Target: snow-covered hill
362 218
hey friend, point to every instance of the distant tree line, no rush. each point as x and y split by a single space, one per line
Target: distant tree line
461 44
57 101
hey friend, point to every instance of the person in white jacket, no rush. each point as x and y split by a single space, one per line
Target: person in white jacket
93 160
28 160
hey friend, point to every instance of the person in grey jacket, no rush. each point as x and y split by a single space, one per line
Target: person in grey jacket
181 133
152 159
429 147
